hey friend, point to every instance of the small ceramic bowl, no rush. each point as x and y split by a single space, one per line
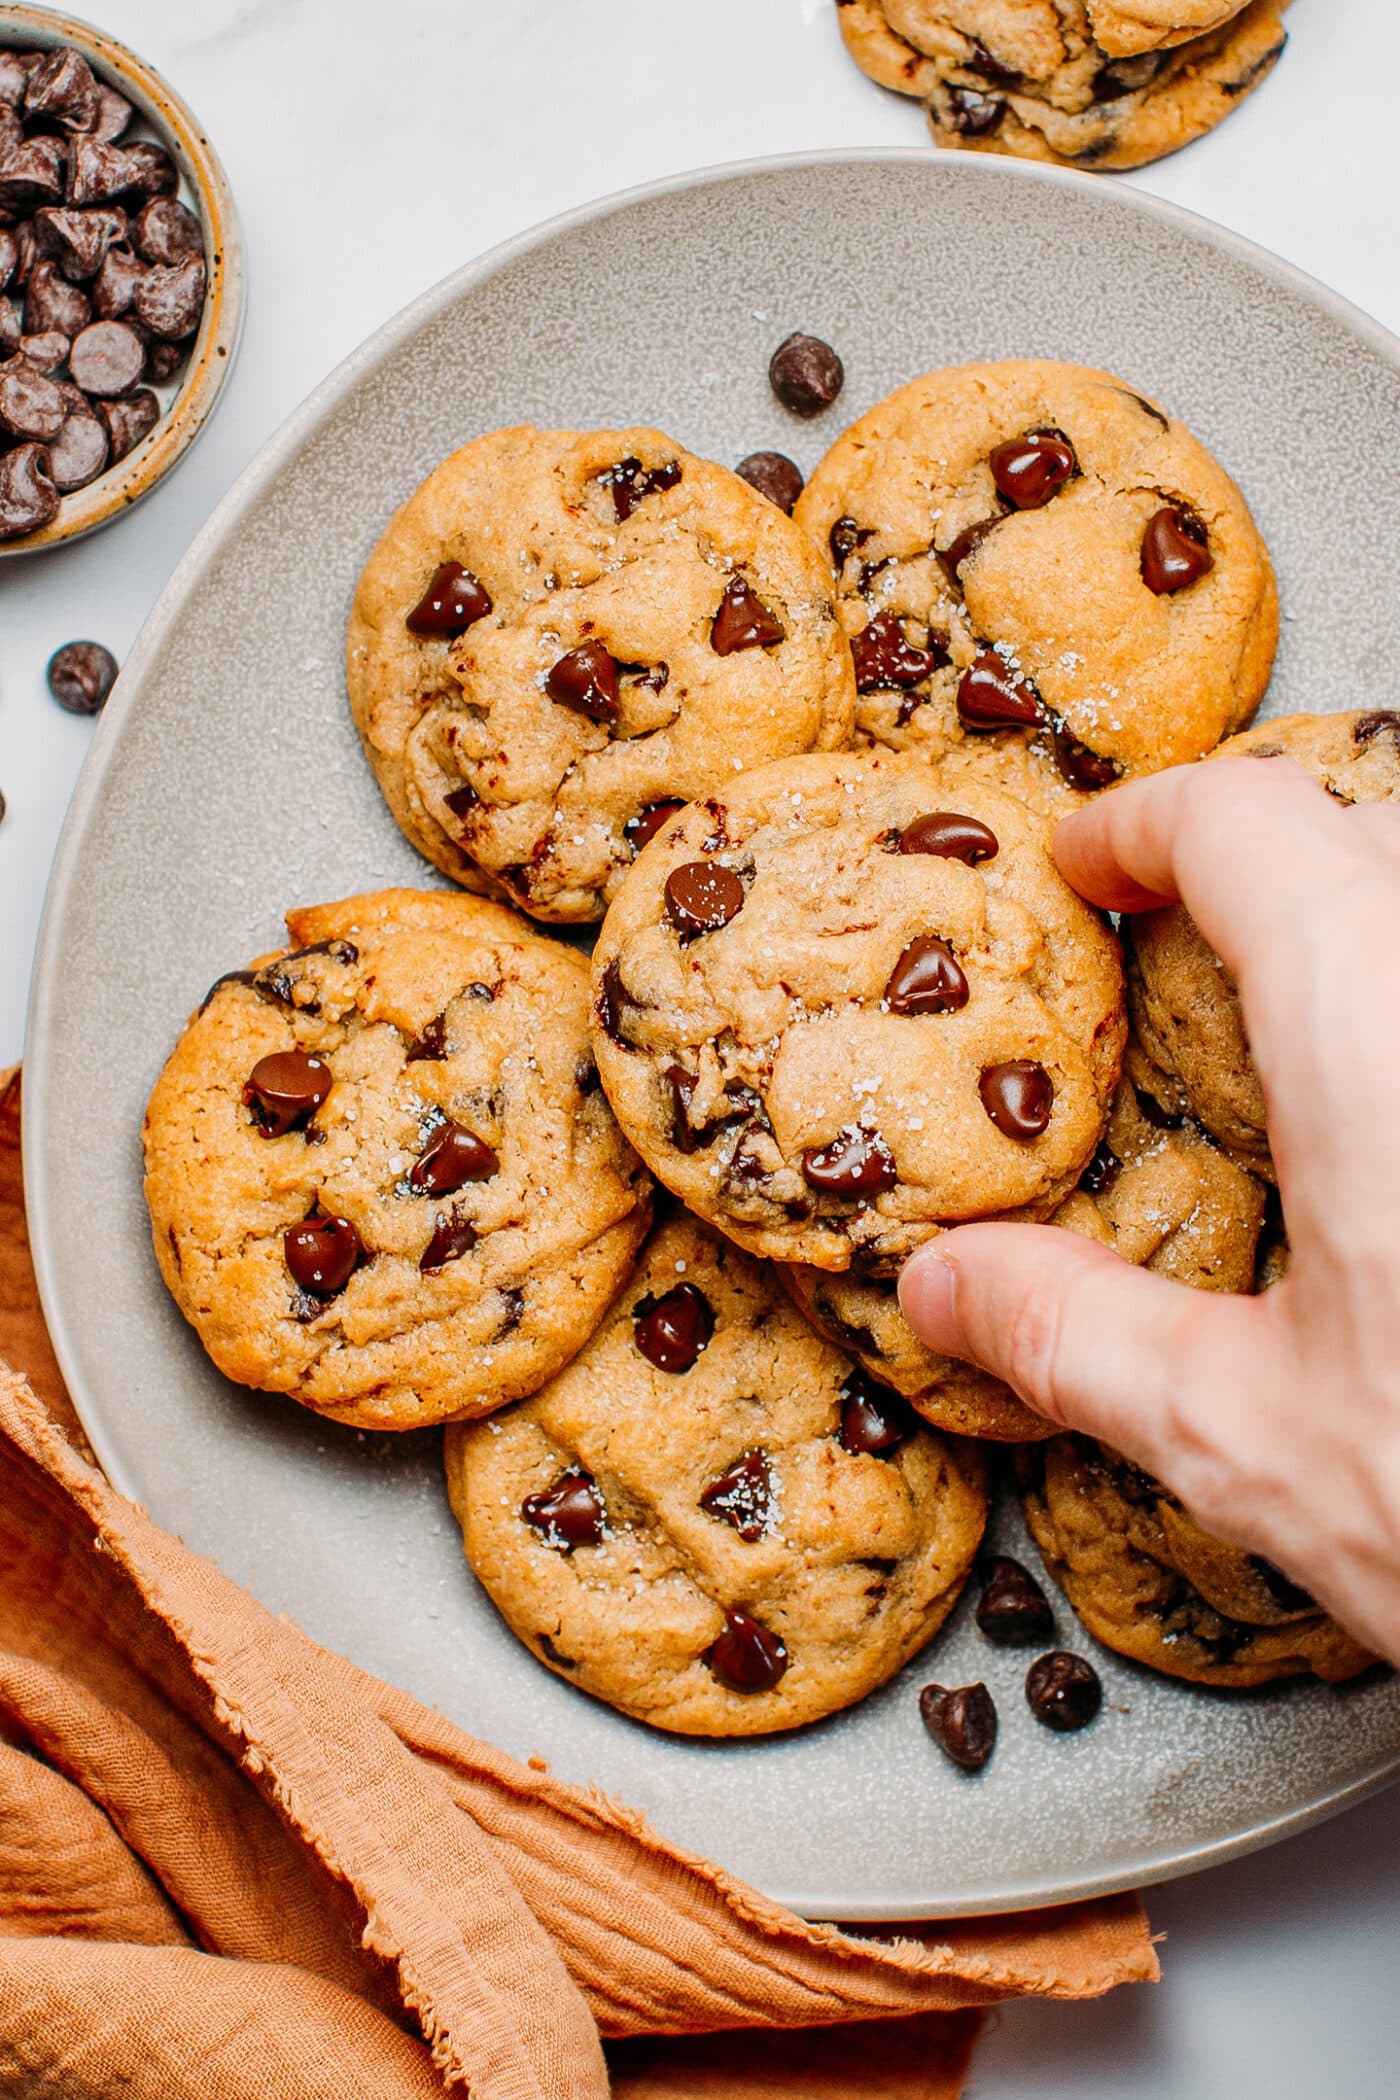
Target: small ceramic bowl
188 400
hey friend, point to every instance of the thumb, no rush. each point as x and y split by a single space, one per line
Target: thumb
1083 1337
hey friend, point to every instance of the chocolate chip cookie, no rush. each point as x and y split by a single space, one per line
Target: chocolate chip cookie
1149 1582
1036 554
1078 82
835 1011
1163 1197
563 636
1185 1007
381 1173
712 1519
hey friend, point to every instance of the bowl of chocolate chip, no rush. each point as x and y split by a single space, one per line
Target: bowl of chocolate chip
121 279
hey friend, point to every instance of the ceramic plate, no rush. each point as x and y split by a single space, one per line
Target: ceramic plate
226 782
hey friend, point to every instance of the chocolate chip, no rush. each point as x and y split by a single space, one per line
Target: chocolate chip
585 679
1028 470
9 330
742 1496
1013 1607
806 374
951 835
431 1046
454 1157
451 1238
963 1723
743 621
1287 1594
167 232
747 1657
32 175
285 1088
50 301
569 1514
80 451
1128 77
113 115
453 601
44 352
9 255
62 86
875 1421
970 113
640 830
78 241
991 695
169 301
1102 1170
129 420
322 1254
682 1085
629 481
702 896
1083 768
107 359
99 173
1063 1691
1017 1096
965 546
1382 721
775 476
114 286
28 498
15 69
1175 550
32 408
163 360
845 537
927 979
857 1162
671 1331
1156 1112
980 60
81 675
884 655
612 997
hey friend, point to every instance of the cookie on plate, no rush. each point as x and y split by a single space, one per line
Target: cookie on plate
561 636
834 1011
1079 82
712 1519
1164 1198
1149 1582
381 1173
1036 554
1185 1007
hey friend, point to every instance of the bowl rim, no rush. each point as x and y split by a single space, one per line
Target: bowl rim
129 479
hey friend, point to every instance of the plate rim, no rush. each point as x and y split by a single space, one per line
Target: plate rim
43 1018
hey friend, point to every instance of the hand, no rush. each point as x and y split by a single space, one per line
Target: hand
1276 1419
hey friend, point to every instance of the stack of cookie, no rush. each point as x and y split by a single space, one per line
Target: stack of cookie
633 1226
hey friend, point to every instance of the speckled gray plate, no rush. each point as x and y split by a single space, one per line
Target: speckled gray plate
226 782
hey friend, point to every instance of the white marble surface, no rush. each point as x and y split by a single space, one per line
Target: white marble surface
368 160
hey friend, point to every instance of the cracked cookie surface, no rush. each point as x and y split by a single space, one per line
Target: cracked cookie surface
1035 555
381 1173
1149 1582
1185 1006
627 628
835 1010
711 1520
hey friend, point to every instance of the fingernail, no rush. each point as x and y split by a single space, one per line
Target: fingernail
926 1300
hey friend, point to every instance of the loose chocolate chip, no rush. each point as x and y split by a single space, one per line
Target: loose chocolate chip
451 1238
857 1162
50 301
284 1089
844 538
991 695
702 896
743 621
629 481
884 655
1013 1607
107 359
15 69
951 835
163 360
1101 1172
431 1046
129 420
806 374
169 301
963 1723
81 675
99 172
453 601
32 408
747 1657
1028 470
32 175
672 1330
774 475
9 330
454 1158
585 679
9 255
44 352
79 452
1383 721
569 1514
970 113
742 1496
62 85
1175 550
1017 1096
640 830
78 241
28 498
1063 1691
965 546
114 286
1083 768
166 231
322 1254
927 979
114 114
875 1421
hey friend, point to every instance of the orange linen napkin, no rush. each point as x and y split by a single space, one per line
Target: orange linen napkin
233 1867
